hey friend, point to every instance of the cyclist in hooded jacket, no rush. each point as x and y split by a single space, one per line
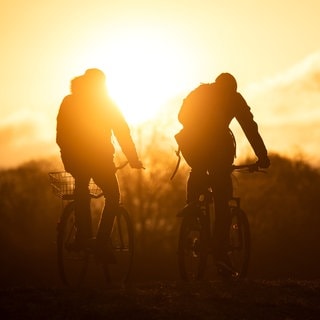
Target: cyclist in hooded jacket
86 122
208 146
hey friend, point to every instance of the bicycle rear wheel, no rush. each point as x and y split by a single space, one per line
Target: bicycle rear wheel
192 248
72 264
122 240
239 236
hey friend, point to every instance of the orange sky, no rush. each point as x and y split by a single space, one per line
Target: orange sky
151 51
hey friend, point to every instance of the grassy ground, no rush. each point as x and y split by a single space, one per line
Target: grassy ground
250 299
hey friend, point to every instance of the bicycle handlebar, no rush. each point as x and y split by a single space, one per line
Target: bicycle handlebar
253 167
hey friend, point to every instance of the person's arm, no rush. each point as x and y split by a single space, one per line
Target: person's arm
183 113
122 133
62 117
250 128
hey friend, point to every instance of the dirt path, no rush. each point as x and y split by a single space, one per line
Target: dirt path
168 300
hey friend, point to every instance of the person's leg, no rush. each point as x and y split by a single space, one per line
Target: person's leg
196 183
106 179
82 209
198 174
222 193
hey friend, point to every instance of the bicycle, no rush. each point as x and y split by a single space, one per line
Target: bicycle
73 264
196 236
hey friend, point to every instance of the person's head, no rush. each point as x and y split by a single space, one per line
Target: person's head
95 75
226 82
95 81
92 83
77 85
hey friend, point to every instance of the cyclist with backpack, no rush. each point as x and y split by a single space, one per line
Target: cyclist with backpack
208 146
86 121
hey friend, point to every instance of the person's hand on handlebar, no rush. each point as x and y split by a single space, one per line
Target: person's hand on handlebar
264 162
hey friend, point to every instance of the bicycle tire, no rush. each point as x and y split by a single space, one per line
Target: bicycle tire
122 240
72 264
193 248
240 241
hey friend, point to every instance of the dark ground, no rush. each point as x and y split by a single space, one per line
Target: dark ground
31 289
249 299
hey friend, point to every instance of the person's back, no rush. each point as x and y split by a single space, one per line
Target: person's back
208 146
86 121
206 114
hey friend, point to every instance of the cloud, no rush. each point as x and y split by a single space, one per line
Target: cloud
16 134
304 75
25 136
288 108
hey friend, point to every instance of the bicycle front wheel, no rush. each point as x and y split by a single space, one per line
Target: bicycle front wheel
239 244
72 264
122 240
192 248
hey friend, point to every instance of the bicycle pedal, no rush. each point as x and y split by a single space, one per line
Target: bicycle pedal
227 271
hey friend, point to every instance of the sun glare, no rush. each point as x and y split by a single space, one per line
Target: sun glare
143 73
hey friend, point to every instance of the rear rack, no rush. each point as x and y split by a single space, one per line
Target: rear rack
63 185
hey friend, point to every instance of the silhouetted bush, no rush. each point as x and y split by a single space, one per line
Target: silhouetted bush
282 206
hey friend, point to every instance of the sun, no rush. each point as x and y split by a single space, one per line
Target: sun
144 70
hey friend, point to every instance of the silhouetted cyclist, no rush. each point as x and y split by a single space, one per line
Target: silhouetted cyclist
208 146
86 121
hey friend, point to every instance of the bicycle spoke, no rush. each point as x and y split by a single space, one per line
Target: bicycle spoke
192 251
122 243
239 242
72 263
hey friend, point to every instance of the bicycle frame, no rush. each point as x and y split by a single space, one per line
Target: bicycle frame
73 262
197 234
